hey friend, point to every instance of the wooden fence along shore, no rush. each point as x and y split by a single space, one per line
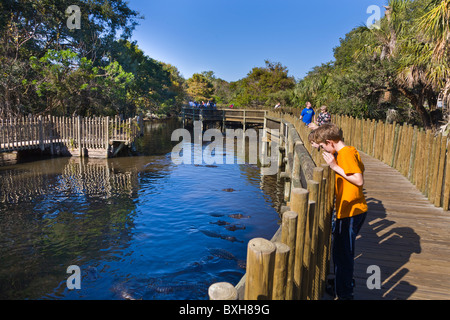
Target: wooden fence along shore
294 264
75 136
419 155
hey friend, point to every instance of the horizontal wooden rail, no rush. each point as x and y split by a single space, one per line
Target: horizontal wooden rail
233 115
418 154
74 133
294 263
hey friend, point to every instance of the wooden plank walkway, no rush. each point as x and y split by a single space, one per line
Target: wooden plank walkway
405 235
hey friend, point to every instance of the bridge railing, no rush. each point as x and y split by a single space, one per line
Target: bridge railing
73 132
420 155
225 114
294 264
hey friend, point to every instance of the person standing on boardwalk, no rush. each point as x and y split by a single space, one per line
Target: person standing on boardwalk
307 115
351 206
324 116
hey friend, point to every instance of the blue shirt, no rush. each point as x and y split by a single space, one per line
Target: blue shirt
307 115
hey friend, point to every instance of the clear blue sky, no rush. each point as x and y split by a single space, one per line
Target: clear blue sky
230 37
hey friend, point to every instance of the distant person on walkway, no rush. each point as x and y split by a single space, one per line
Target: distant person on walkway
351 206
278 105
324 116
307 115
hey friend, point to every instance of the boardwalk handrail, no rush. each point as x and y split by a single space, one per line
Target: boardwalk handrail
297 269
241 115
294 263
418 154
72 132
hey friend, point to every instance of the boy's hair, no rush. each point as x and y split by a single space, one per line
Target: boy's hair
311 136
326 132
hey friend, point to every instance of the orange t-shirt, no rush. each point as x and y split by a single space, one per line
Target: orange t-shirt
350 200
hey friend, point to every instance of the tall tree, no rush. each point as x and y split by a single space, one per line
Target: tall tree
261 83
32 28
199 87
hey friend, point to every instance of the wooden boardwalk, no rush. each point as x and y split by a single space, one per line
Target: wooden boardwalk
405 235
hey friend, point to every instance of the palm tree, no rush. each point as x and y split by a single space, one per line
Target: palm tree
417 58
435 25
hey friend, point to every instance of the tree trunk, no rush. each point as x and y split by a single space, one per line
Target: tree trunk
417 103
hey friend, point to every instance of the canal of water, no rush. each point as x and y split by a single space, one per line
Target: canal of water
138 227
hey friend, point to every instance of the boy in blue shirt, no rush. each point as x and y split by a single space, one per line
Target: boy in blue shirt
307 114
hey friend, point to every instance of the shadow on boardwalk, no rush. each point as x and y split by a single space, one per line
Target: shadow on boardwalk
388 247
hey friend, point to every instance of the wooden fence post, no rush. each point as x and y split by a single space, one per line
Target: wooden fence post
313 188
446 199
299 204
80 145
222 291
317 177
260 265
41 134
440 172
288 237
280 272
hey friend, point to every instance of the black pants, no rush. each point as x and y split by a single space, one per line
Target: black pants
344 236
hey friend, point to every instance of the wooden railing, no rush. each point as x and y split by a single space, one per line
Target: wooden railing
231 115
294 263
420 155
75 133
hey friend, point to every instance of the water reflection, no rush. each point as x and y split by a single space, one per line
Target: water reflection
139 227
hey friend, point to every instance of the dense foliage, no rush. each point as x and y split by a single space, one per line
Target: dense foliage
403 65
48 68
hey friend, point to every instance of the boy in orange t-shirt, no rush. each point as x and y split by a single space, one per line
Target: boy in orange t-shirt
351 206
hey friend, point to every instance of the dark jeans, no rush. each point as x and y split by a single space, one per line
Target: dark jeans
344 236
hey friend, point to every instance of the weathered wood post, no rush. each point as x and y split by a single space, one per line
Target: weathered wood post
299 204
323 229
260 265
313 188
106 135
80 145
41 134
288 237
446 200
280 273
317 177
222 291
50 134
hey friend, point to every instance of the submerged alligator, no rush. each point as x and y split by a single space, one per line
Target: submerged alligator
228 225
224 254
213 234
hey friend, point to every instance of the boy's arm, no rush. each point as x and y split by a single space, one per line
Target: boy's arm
355 178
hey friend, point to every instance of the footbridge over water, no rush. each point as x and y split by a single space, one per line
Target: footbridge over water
95 137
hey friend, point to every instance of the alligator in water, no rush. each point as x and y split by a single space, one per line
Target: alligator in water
218 235
224 254
238 216
229 226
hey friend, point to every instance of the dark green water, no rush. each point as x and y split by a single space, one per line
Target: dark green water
138 227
